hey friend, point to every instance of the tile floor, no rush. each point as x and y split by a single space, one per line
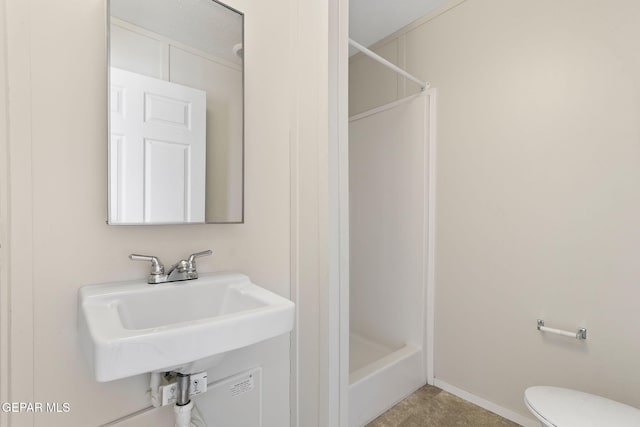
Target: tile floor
433 407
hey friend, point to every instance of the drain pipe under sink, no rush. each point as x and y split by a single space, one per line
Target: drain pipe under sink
187 413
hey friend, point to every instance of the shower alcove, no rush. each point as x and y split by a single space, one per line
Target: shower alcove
390 205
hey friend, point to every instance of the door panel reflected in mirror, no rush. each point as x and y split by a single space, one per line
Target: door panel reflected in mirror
175 113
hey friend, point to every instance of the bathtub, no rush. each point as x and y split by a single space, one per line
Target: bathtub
380 376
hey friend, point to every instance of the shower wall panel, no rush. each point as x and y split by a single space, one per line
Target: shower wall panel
388 179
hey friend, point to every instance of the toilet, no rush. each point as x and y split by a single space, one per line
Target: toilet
563 407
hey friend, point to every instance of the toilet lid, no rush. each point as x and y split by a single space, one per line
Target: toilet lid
562 407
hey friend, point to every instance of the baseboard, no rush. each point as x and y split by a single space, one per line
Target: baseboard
489 406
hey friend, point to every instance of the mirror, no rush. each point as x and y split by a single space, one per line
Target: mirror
176 131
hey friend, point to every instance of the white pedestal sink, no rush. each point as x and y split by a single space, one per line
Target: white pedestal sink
130 328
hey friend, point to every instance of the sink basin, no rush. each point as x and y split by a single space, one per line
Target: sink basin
130 328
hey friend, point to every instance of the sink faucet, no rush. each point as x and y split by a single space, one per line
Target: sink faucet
182 270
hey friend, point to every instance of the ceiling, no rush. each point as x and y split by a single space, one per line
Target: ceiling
373 20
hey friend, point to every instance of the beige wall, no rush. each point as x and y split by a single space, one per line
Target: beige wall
4 278
538 196
57 233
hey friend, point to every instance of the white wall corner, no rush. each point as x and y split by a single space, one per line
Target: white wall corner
313 283
338 169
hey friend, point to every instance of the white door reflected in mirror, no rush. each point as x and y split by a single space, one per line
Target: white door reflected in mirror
176 148
157 151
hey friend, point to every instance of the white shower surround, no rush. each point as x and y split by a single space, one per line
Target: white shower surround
391 345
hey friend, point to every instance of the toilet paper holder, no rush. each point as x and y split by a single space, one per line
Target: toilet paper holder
580 335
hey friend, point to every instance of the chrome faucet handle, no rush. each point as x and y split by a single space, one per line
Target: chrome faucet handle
192 259
157 269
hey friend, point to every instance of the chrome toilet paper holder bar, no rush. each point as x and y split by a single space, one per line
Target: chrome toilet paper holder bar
580 335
